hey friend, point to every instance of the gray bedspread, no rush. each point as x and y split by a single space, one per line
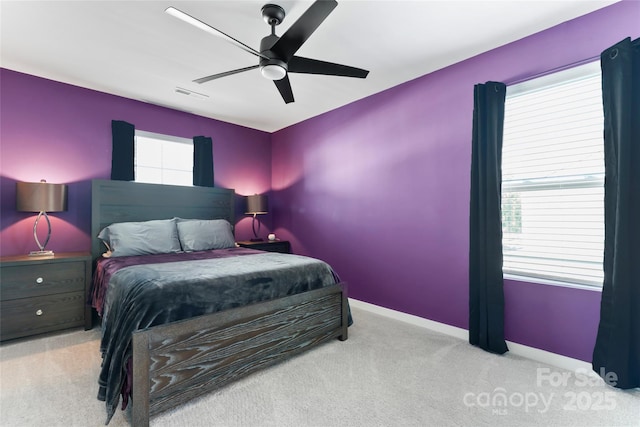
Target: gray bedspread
141 296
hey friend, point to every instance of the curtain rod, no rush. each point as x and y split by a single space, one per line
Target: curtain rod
553 70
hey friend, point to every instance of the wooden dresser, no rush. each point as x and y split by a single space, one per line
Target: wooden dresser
44 294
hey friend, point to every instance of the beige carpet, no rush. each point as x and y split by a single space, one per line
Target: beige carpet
387 374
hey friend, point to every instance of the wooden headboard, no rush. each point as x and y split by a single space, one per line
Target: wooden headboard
124 201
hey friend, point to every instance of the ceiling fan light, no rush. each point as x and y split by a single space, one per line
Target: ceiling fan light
273 72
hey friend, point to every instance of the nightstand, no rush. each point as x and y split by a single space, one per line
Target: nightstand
44 294
282 246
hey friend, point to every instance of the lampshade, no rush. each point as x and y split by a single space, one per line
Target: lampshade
257 204
41 197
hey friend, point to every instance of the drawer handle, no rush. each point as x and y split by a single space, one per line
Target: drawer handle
39 312
39 280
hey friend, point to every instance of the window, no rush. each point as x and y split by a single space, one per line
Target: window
163 159
553 178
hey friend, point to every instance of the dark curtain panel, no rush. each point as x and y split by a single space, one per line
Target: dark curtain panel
486 297
616 356
202 161
122 134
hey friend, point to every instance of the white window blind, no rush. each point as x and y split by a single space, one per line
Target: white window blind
163 159
553 178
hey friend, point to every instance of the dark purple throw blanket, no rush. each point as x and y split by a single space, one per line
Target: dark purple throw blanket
133 293
106 267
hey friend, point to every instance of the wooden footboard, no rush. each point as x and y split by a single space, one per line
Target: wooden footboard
176 362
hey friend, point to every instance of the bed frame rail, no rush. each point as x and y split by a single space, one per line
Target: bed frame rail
176 362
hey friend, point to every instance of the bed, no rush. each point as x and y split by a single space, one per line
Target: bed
174 359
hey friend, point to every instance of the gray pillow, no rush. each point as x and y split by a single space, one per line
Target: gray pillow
202 234
141 238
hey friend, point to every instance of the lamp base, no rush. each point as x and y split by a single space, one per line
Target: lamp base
41 253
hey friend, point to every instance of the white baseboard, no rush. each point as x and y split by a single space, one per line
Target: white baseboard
410 318
532 353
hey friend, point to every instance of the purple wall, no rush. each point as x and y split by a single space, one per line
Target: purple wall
380 189
62 133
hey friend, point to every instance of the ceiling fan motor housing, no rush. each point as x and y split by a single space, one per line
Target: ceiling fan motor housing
273 68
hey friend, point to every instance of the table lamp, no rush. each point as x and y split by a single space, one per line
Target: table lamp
257 205
41 197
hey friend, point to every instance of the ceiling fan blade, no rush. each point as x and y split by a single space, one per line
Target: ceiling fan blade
298 64
302 29
209 29
226 73
284 87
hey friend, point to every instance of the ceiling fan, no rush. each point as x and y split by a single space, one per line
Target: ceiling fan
277 54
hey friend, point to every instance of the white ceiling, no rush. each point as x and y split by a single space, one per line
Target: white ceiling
134 49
